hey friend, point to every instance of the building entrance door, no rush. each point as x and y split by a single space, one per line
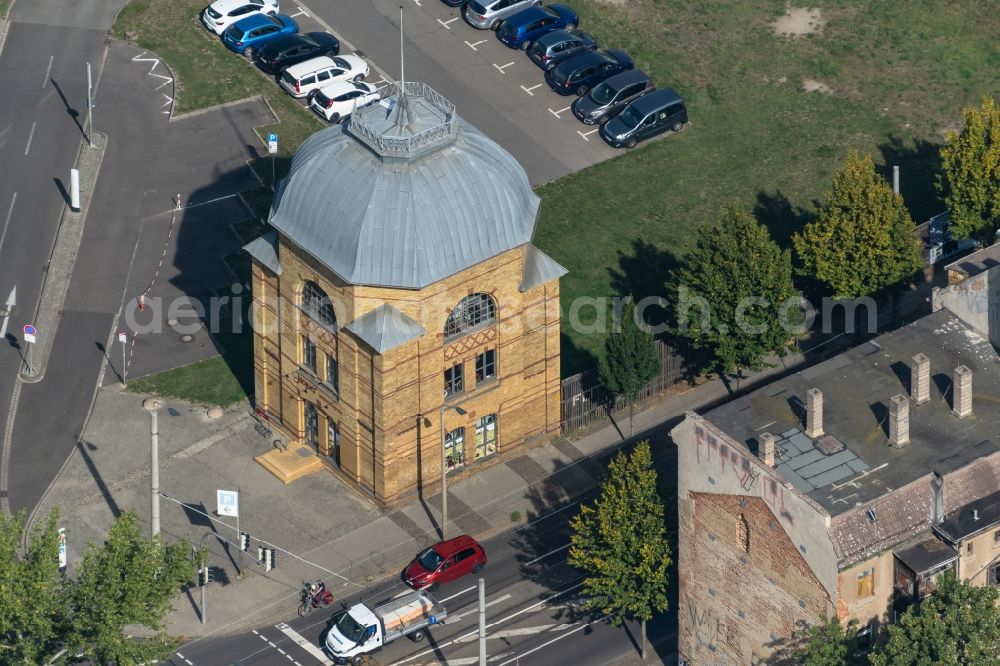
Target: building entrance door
312 425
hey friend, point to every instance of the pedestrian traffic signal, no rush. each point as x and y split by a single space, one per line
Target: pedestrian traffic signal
244 541
268 559
204 576
260 554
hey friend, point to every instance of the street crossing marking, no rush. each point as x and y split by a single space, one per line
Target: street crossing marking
476 610
550 642
560 548
300 640
458 594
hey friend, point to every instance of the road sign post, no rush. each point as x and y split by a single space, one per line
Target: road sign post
272 148
228 504
29 338
123 338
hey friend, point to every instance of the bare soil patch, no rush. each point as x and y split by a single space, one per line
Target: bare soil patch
812 85
798 22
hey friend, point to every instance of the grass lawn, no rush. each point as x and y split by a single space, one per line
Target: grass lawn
4 6
207 73
898 75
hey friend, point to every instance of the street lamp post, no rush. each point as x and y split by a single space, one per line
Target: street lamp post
152 405
444 470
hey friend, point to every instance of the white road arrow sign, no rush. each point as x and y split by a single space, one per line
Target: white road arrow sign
8 308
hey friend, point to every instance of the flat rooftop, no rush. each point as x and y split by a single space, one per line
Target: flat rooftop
977 262
854 463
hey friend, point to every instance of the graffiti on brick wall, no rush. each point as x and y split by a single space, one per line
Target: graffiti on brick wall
706 634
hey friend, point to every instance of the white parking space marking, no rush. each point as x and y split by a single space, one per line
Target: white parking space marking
503 67
300 640
586 134
170 100
475 44
547 643
528 90
31 135
561 548
301 12
476 610
445 23
556 113
48 70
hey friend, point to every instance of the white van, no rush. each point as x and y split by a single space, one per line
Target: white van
302 79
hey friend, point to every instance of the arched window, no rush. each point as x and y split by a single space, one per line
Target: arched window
317 305
471 312
744 528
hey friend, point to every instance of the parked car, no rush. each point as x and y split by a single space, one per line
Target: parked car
554 47
223 13
529 24
608 98
306 77
489 14
338 100
249 34
646 117
454 3
444 562
292 49
579 74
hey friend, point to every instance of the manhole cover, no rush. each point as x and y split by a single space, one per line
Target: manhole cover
187 338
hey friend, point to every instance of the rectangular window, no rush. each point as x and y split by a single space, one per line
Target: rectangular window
453 381
486 436
486 366
454 448
866 583
312 424
996 539
994 575
968 549
332 374
308 354
333 440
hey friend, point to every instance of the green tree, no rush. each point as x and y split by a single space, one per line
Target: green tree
733 293
31 607
970 185
620 543
129 580
631 359
827 644
863 240
958 624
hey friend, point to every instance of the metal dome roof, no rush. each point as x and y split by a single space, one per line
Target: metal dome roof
405 194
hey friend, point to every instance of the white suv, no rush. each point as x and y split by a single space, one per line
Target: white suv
337 100
301 79
222 13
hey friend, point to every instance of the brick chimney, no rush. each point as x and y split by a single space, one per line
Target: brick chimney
899 420
920 379
814 413
961 397
766 451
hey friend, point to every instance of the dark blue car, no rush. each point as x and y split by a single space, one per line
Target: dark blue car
582 72
527 25
249 34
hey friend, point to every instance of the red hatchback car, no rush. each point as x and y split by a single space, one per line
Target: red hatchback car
444 562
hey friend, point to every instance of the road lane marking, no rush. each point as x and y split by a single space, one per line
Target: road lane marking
476 610
586 134
528 631
300 640
48 70
528 90
551 552
458 594
44 99
191 663
547 643
417 3
556 113
503 67
473 45
10 211
31 135
445 23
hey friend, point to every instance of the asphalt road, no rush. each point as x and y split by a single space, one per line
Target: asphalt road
497 89
43 74
532 606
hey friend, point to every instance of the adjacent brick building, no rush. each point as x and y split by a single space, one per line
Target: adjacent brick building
400 281
842 490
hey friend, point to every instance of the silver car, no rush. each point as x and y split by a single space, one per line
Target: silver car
489 14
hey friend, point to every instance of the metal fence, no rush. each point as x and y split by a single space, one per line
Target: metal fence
586 400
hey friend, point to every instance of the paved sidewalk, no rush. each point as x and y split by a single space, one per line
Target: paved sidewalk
338 535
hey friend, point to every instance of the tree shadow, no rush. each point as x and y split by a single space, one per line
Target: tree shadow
574 359
782 218
919 163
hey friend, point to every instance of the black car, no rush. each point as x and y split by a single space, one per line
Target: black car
585 70
454 3
607 98
651 114
293 49
554 47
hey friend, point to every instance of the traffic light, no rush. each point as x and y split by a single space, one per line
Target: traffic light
268 559
204 576
244 541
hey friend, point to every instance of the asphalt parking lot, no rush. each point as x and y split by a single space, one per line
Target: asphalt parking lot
497 89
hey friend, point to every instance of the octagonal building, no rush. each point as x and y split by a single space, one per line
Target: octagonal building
398 289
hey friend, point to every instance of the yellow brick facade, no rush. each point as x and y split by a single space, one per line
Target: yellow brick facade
385 409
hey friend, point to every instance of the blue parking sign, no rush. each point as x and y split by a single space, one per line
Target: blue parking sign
272 143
